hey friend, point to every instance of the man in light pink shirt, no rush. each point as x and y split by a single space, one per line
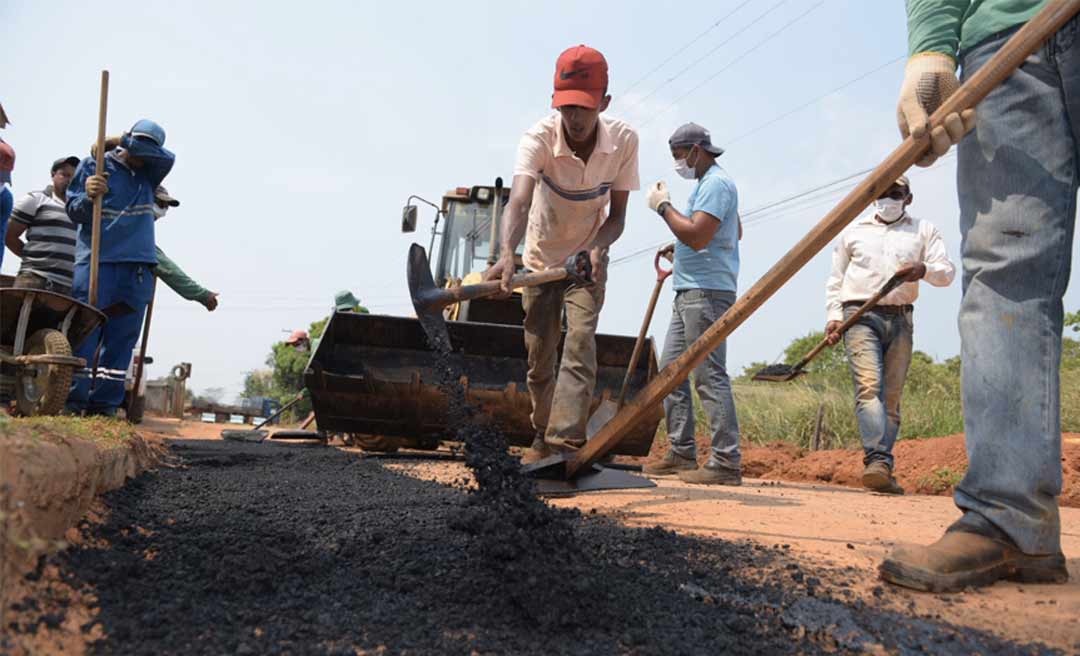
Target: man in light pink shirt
574 174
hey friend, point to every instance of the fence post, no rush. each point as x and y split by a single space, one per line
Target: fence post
815 444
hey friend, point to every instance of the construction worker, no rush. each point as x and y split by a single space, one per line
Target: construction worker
345 301
299 340
574 173
706 271
886 242
1017 177
48 256
169 272
132 172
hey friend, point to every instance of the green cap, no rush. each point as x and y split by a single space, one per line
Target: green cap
344 301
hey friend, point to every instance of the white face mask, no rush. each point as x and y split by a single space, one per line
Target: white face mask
683 168
889 210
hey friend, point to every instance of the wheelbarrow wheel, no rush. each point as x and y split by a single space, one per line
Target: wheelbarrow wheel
43 390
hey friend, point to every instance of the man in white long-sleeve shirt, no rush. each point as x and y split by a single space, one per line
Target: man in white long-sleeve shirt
878 346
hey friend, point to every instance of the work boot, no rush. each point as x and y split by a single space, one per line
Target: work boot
711 474
962 558
672 464
877 476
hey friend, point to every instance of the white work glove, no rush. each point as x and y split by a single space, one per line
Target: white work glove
929 79
658 195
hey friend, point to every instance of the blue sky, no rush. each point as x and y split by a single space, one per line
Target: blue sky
300 129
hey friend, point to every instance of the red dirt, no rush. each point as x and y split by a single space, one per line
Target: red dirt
923 466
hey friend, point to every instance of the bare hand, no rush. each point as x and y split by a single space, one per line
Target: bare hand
912 272
97 185
667 252
211 301
503 271
110 144
832 332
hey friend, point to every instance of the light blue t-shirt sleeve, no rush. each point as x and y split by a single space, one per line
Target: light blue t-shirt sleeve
715 196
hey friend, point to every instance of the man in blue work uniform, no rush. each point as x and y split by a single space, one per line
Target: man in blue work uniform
125 278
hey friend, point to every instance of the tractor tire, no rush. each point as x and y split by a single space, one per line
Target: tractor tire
47 392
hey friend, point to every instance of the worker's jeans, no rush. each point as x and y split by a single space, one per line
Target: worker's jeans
1017 182
692 314
879 354
126 287
560 406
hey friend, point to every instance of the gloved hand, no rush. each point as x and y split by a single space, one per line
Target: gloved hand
667 252
97 185
658 195
929 79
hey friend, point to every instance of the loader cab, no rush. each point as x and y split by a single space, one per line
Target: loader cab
470 219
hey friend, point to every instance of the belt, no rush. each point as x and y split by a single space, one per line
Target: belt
883 309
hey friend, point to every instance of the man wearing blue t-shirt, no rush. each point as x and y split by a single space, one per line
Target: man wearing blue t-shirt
706 271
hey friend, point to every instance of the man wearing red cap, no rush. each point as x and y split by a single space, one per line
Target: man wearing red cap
574 174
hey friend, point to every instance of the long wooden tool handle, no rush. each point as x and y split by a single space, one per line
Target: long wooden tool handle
482 289
639 345
95 227
142 347
888 287
1001 65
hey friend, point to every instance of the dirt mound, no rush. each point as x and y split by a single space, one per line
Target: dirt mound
760 460
923 466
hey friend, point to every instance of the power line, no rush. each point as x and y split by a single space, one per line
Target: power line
816 100
735 61
684 48
706 55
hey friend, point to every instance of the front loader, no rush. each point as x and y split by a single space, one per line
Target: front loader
374 376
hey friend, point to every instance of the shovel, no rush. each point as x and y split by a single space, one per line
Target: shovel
781 373
254 434
568 467
429 300
609 408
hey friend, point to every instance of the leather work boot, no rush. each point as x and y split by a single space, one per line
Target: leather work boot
671 464
712 475
961 559
877 476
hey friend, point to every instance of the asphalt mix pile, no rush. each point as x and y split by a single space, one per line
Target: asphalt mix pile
268 549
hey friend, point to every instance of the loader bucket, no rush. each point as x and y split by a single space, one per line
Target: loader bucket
375 375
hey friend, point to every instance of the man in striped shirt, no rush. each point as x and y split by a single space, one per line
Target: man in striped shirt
48 255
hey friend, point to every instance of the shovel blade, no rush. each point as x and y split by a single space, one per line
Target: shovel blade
592 480
420 281
778 373
604 413
244 435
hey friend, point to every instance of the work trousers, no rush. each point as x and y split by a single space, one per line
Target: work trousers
124 291
561 392
1017 177
879 353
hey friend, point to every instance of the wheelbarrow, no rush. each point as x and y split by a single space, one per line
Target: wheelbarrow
38 332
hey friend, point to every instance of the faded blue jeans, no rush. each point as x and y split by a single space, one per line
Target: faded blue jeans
879 354
693 312
1017 181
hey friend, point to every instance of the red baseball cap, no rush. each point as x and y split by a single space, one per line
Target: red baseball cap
581 78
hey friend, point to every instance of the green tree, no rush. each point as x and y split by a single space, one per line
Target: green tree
1072 319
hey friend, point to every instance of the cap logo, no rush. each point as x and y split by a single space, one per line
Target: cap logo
566 75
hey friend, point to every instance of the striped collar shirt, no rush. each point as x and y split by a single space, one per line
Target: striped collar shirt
571 198
50 237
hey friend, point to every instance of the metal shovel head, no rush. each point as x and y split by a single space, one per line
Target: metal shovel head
778 373
604 413
420 283
551 478
295 435
244 435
